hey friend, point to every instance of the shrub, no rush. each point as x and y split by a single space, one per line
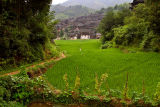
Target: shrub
107 45
157 93
155 43
10 104
23 89
112 20
138 29
146 43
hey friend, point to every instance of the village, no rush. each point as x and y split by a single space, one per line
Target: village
83 27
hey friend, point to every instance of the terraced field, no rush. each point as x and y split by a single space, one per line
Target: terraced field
86 58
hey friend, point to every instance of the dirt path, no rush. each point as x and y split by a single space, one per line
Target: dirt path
52 59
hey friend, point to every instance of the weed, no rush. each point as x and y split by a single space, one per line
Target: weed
65 78
98 83
126 89
77 82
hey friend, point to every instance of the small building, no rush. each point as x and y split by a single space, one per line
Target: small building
85 37
58 38
98 35
74 38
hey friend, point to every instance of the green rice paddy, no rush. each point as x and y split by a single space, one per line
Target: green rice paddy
86 58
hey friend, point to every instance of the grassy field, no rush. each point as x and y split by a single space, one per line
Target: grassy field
91 59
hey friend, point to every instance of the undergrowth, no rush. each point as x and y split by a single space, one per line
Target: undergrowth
22 90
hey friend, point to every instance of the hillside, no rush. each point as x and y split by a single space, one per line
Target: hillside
63 12
95 4
83 25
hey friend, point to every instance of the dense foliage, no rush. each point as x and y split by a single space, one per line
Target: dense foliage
26 28
20 90
139 29
113 18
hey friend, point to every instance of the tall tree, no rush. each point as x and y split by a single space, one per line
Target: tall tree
24 30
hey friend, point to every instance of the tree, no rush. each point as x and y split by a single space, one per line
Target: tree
154 19
139 28
61 33
25 30
112 20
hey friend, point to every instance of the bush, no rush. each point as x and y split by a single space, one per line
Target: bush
10 104
108 44
155 43
146 43
112 20
109 36
22 90
138 29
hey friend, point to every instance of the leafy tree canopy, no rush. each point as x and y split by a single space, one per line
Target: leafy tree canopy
140 29
26 28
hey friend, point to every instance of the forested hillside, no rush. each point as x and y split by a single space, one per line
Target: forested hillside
137 28
26 29
62 12
95 4
87 24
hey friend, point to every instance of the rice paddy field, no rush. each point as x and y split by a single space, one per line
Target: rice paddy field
86 58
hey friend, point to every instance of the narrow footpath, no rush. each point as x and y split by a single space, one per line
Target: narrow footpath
52 59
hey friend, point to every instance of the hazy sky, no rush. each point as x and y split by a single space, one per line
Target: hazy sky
58 1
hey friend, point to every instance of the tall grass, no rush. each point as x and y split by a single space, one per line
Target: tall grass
85 57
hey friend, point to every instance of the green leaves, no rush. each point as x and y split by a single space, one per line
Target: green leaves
138 28
65 78
98 83
25 29
113 19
